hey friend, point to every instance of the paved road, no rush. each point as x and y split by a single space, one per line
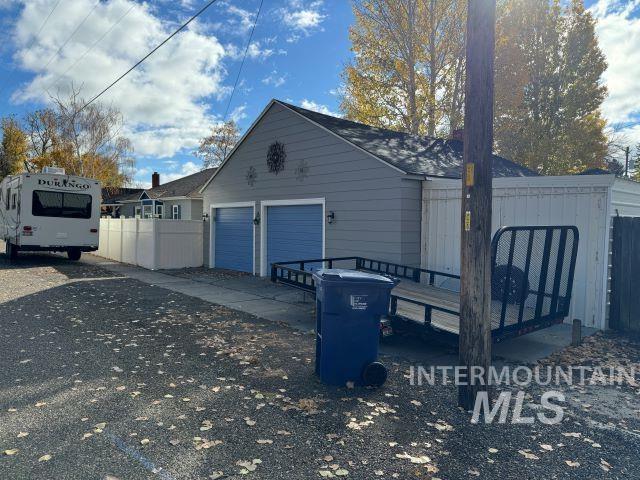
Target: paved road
108 377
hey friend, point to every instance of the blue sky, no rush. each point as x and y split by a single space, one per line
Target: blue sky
297 54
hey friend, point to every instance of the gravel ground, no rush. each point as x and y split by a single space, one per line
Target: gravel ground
109 378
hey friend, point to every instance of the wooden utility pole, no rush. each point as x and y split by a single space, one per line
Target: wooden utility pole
475 257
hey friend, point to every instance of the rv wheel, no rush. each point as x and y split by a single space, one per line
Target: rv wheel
12 251
74 254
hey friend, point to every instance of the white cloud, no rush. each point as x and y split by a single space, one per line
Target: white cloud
619 37
256 51
274 79
164 101
302 17
318 107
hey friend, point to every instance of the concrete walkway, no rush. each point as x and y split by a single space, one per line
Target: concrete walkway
247 293
260 297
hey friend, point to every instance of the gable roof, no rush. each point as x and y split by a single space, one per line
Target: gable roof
188 186
413 154
117 195
407 153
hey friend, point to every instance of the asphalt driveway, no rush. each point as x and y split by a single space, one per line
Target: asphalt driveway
105 376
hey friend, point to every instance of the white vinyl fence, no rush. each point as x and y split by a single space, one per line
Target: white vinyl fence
152 243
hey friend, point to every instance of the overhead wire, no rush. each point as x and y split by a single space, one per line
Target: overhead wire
71 36
37 34
246 50
59 77
182 27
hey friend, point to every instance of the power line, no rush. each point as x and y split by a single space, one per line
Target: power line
246 50
149 54
93 45
71 36
33 39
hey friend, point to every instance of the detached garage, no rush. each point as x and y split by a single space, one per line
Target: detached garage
301 185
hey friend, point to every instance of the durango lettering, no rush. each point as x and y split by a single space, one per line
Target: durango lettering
64 183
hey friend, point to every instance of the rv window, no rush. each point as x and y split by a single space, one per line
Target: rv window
14 201
58 204
6 203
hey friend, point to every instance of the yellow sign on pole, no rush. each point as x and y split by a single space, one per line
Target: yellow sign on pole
470 174
467 221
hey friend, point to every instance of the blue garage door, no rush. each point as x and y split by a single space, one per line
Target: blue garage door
234 238
294 232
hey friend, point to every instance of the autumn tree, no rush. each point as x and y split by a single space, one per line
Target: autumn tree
408 67
548 87
83 139
13 147
215 147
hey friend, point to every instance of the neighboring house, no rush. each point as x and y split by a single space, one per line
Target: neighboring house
112 201
177 200
302 185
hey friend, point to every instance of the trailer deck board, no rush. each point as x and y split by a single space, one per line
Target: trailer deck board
440 297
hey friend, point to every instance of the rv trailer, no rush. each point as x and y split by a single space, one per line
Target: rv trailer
49 211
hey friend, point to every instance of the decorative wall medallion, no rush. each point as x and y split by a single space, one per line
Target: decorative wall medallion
302 171
276 156
251 176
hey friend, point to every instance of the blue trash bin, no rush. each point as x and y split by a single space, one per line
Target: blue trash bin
349 305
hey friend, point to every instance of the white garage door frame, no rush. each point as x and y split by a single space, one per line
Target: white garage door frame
263 225
212 231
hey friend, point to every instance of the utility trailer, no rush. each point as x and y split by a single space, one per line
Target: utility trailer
49 211
531 281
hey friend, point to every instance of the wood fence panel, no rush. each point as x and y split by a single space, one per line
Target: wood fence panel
625 275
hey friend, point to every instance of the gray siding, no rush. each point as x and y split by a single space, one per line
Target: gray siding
377 209
191 209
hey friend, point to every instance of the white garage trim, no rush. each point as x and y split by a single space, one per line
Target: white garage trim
212 231
263 224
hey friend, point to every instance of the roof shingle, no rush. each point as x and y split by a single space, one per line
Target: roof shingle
412 154
188 186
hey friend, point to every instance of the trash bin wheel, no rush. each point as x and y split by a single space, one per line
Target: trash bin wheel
374 375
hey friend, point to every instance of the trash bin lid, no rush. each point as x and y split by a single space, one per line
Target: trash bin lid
344 275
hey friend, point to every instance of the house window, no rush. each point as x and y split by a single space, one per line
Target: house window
176 212
138 213
147 211
159 210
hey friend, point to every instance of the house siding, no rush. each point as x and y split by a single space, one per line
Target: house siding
377 210
191 209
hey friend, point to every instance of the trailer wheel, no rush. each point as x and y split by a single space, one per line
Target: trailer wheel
11 250
74 254
517 284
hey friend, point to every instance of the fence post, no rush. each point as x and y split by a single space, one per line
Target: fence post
576 333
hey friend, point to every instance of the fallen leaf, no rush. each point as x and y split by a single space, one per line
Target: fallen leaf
45 458
11 451
493 450
22 434
144 441
572 464
528 455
